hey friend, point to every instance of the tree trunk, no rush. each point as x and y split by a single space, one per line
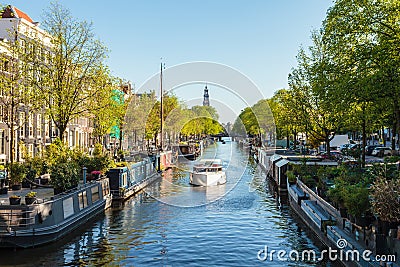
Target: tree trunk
120 138
287 138
294 139
328 144
364 138
61 131
394 132
12 147
397 116
383 136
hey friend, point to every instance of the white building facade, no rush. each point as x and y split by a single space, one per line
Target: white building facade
34 129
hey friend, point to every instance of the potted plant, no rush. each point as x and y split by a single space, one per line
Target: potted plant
30 198
64 176
15 200
3 176
291 177
17 172
95 174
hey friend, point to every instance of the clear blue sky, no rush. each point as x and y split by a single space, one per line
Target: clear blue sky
260 38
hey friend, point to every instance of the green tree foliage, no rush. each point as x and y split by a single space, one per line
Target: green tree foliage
201 120
316 92
257 120
71 70
108 108
363 41
137 115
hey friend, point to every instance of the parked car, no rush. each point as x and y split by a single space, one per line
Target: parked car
334 154
369 149
344 147
381 151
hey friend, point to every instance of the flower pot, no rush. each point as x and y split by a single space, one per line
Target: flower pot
29 200
58 190
15 200
26 184
16 187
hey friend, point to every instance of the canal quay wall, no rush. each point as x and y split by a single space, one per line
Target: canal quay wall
324 220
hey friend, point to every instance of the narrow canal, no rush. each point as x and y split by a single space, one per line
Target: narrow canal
175 224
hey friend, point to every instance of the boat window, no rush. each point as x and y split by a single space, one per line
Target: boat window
106 189
68 207
82 200
133 176
124 179
95 194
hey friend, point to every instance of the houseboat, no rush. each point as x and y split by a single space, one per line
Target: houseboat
185 151
127 181
208 172
46 221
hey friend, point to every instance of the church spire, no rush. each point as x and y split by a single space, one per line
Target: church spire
206 100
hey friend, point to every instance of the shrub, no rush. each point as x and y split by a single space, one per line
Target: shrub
291 177
31 194
356 199
386 199
17 172
98 150
65 175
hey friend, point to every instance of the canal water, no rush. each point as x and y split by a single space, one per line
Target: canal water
175 224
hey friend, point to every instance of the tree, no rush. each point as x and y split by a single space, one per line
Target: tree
71 69
201 120
137 114
364 43
289 116
314 86
106 111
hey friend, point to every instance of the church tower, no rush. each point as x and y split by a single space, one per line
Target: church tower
206 100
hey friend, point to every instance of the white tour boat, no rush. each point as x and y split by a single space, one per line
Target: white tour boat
208 172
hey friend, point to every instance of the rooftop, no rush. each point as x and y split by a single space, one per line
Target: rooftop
13 12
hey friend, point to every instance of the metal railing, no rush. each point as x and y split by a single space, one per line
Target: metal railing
11 218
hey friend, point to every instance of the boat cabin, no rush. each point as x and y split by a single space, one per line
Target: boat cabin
208 166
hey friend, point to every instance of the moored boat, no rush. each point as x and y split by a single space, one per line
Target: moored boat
127 181
208 172
46 221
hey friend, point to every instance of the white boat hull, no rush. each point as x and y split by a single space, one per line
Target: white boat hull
208 179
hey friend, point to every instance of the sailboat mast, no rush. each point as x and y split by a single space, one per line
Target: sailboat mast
161 108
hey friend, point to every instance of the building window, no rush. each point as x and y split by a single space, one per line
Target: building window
30 150
2 142
46 126
53 131
39 125
31 125
22 124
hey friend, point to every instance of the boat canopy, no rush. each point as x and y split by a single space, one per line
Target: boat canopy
208 165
